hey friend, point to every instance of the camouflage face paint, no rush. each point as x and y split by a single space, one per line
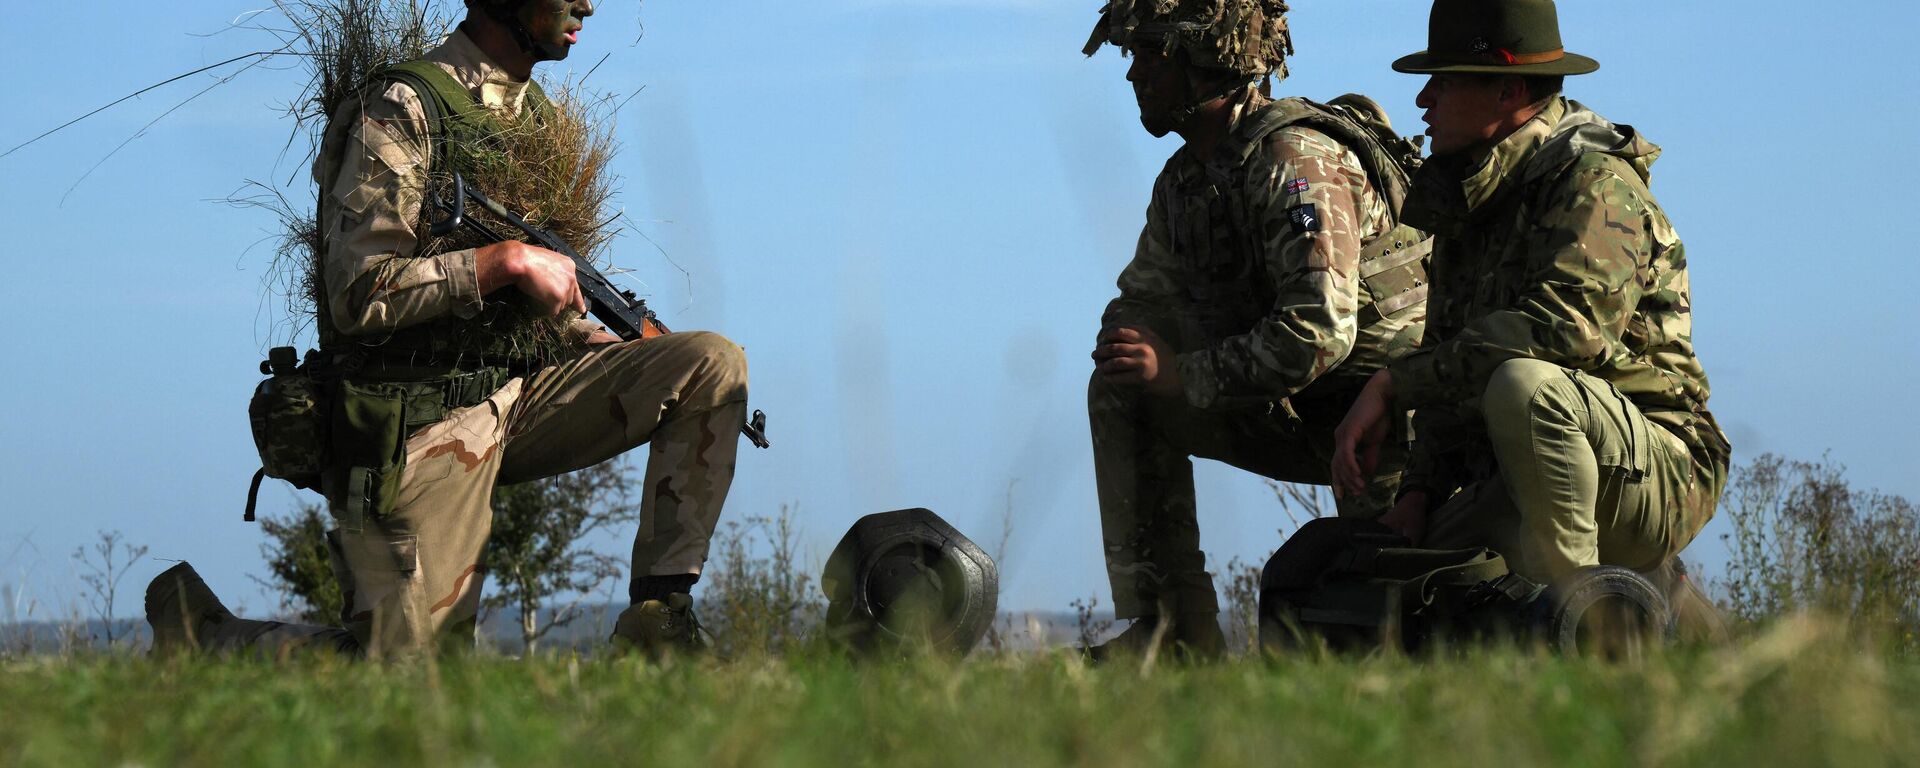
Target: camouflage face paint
554 25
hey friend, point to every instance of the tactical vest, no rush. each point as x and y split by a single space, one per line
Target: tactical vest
498 337
1393 265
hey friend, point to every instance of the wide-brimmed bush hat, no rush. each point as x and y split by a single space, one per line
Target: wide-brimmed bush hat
1506 37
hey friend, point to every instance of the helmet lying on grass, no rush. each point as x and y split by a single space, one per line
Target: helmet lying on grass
906 578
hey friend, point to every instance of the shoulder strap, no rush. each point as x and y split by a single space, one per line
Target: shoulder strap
439 91
536 101
1355 121
1393 265
440 94
446 99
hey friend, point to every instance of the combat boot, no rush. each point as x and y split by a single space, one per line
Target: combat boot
1190 637
1697 621
183 611
660 628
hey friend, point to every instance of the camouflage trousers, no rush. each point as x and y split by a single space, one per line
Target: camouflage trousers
412 578
1142 446
1583 478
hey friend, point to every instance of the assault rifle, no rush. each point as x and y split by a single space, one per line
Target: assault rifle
624 313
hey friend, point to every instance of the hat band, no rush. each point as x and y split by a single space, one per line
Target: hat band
1503 57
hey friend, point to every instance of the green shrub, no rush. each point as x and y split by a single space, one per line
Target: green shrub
757 597
1804 539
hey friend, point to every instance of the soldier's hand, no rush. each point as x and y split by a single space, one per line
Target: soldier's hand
546 278
1356 442
1137 356
1409 517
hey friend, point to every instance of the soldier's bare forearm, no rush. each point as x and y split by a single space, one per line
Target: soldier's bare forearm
497 266
545 277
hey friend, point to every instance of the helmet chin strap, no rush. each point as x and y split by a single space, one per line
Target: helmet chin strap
1181 116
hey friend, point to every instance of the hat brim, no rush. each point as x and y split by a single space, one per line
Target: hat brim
1423 63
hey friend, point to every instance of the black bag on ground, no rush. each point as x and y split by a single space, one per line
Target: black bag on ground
1355 585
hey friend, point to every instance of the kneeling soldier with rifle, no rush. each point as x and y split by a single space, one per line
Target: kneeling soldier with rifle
455 360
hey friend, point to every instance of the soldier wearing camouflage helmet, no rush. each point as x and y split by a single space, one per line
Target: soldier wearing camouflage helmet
1561 412
1271 279
440 395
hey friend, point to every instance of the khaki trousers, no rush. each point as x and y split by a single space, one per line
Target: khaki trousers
1149 524
1583 479
412 578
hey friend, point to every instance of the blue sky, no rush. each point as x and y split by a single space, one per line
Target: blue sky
910 213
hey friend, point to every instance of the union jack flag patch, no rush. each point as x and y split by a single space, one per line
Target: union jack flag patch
1297 186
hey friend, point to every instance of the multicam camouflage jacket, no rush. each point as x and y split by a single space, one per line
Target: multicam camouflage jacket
1551 248
1250 265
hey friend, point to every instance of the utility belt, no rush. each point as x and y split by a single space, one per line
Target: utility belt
345 420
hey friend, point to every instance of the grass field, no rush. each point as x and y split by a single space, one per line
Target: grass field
1798 694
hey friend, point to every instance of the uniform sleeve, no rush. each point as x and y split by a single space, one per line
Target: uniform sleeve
1587 244
1150 285
375 281
1310 208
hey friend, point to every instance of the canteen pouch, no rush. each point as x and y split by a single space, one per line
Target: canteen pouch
289 418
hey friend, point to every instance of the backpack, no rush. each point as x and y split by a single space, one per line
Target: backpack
1393 265
1355 585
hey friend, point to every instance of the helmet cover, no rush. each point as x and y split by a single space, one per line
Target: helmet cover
1249 37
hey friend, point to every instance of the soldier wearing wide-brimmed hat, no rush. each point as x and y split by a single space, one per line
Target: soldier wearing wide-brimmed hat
1561 413
1270 280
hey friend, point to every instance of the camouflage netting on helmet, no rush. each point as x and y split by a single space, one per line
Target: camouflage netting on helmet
1246 36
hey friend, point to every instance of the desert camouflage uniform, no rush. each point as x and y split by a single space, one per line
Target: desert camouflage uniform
1557 382
412 576
1275 335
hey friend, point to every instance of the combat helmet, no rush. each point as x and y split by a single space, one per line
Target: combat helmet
907 578
1248 37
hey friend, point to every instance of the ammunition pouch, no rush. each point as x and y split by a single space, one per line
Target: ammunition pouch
371 421
315 417
1393 273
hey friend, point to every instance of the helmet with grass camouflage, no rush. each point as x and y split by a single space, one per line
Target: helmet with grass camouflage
1249 37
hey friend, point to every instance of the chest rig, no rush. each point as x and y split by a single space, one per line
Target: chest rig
496 340
385 388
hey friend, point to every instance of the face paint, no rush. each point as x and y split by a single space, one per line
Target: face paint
553 26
